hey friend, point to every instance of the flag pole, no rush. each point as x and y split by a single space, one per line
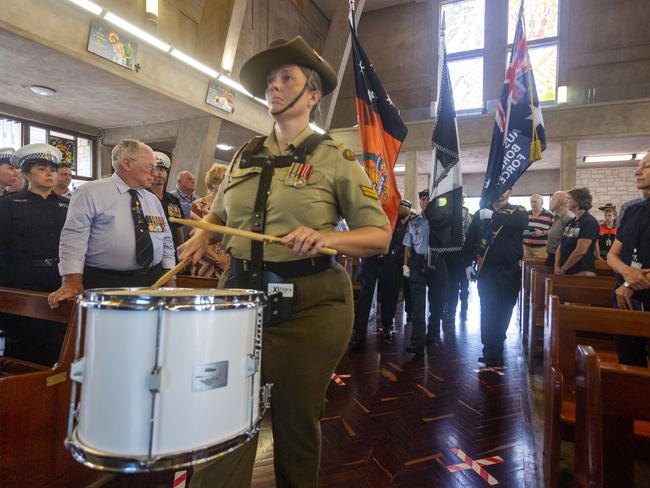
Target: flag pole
440 61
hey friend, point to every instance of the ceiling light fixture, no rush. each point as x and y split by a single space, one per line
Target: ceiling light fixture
640 156
224 147
90 6
399 169
609 158
316 129
44 91
136 31
151 7
194 63
234 85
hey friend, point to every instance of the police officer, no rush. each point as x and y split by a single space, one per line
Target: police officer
383 271
116 233
7 170
494 244
30 226
629 257
421 273
296 184
171 204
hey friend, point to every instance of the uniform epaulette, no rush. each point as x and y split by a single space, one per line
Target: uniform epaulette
346 152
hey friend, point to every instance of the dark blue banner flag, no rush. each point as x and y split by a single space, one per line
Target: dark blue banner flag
518 138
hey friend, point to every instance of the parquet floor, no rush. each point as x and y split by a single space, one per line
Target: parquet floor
399 421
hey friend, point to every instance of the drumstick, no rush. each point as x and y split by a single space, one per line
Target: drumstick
222 229
171 273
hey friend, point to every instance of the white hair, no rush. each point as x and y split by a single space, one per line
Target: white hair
124 149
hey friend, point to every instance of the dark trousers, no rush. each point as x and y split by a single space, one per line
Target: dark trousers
550 259
385 271
107 278
633 351
426 283
456 273
498 288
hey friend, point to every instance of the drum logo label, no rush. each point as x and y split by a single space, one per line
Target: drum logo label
286 289
209 376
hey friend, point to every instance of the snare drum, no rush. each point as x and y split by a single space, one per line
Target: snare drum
169 377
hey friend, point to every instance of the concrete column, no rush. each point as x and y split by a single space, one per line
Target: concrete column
234 31
337 52
212 31
411 176
194 150
568 163
496 40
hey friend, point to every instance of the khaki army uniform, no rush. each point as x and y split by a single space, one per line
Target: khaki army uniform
298 355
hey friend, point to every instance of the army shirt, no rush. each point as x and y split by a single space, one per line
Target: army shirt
336 187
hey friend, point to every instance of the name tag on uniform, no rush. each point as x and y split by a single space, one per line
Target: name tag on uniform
155 223
286 289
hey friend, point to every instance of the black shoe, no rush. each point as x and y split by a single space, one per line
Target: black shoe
357 340
482 359
387 336
415 349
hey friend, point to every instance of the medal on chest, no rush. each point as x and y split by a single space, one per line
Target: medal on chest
174 210
155 223
299 174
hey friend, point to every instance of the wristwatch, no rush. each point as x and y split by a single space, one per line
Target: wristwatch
626 284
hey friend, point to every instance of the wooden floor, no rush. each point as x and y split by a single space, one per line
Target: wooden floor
403 422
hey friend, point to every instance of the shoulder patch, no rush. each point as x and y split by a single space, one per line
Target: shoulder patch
349 154
369 191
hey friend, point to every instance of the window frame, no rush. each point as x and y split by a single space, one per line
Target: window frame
26 124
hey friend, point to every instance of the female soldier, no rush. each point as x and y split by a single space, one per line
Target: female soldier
296 184
30 227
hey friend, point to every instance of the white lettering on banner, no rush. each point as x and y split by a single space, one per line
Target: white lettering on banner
513 156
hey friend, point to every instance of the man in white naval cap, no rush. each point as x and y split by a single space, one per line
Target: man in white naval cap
171 204
8 172
116 233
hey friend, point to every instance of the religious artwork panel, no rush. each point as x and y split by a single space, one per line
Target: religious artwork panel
544 61
464 25
541 18
467 83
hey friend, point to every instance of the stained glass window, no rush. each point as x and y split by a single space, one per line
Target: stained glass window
464 25
541 17
467 83
544 61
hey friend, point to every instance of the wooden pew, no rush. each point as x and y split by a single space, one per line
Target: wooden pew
527 265
562 331
610 401
185 281
580 294
34 402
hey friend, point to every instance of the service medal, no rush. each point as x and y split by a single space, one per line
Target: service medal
303 175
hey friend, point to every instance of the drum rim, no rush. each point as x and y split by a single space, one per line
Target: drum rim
96 459
230 298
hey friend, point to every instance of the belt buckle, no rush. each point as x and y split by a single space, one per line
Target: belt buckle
49 262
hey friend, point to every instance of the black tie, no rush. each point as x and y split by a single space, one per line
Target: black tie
143 245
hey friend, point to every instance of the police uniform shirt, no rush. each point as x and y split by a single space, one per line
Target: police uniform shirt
634 235
417 235
585 227
337 187
507 226
30 228
99 230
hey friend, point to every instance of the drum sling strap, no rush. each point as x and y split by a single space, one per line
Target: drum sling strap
268 165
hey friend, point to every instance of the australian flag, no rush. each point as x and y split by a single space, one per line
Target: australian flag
381 129
447 186
518 138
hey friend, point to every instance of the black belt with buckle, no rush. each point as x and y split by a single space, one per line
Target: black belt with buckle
287 269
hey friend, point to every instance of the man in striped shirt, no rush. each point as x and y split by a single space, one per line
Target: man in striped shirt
539 224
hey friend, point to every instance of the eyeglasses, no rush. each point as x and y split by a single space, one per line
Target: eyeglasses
148 167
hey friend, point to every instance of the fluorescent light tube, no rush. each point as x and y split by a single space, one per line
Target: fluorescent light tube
136 31
234 85
224 147
90 6
316 129
610 158
194 63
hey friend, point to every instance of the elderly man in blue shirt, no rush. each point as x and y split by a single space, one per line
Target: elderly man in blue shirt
116 233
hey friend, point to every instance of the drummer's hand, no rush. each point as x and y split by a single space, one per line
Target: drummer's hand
195 246
70 288
304 241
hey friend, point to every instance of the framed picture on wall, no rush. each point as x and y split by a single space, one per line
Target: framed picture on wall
113 44
68 148
220 97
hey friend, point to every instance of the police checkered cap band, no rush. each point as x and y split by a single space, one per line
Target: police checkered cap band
162 160
5 155
36 153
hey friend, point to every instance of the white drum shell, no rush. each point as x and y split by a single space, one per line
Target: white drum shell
120 348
